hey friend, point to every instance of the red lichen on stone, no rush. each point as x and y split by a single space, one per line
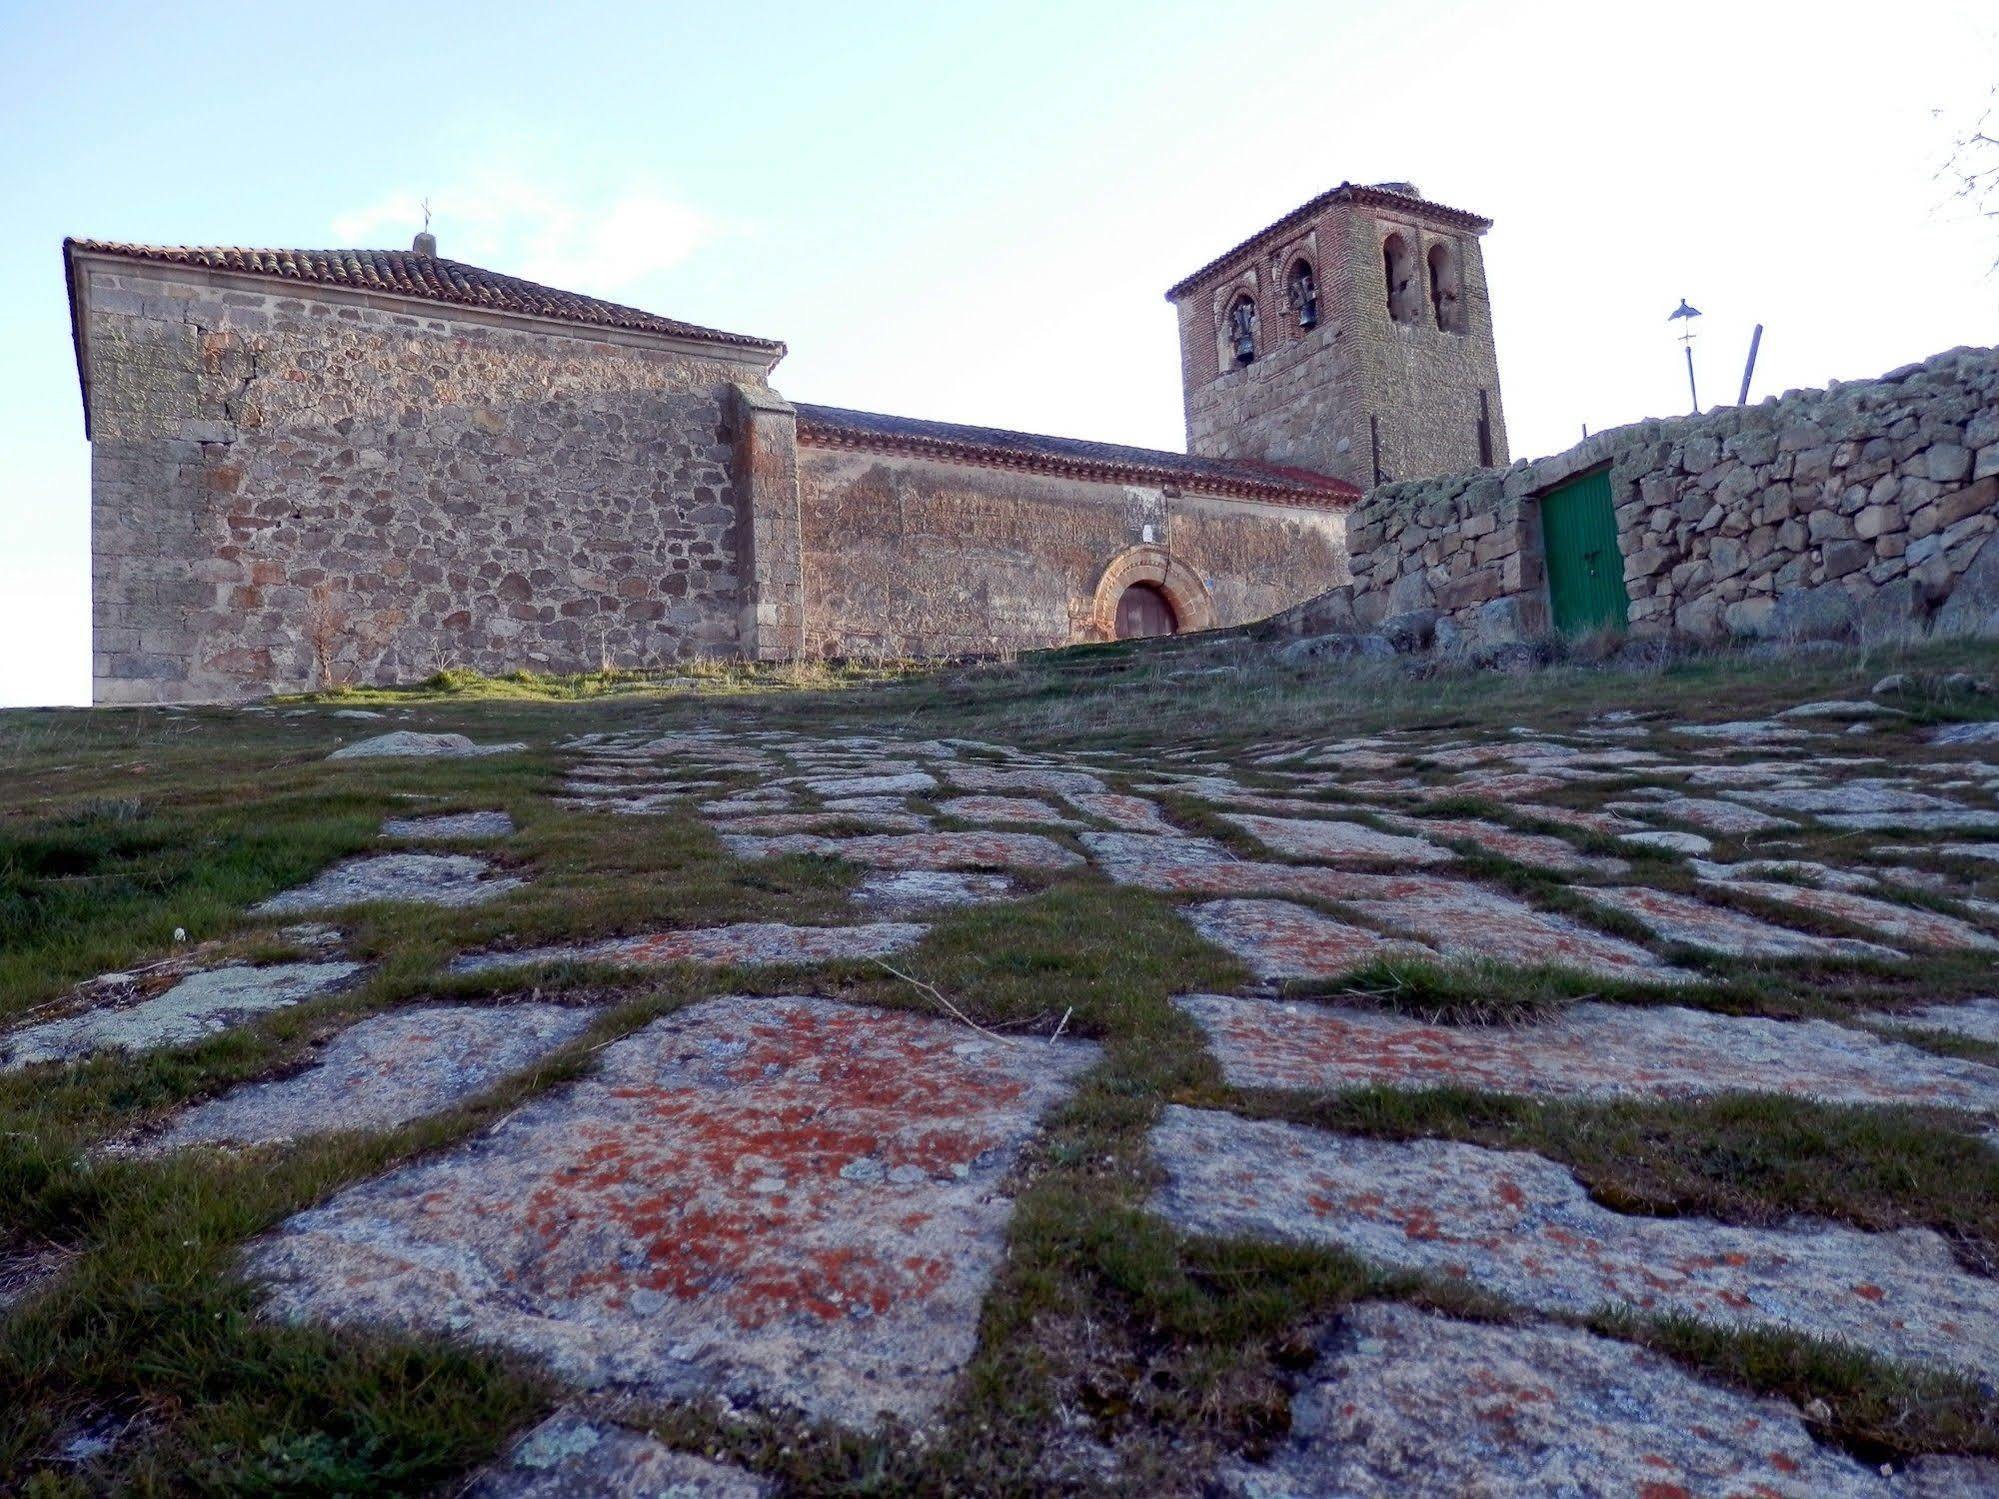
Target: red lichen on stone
788 1193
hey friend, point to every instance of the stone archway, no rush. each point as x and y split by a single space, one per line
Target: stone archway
1154 565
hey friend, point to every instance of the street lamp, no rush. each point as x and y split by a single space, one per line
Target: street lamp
1686 314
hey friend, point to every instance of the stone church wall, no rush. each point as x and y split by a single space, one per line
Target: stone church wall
908 556
291 488
1862 510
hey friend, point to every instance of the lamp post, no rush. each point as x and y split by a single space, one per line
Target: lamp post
1685 315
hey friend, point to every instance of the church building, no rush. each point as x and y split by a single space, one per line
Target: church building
312 467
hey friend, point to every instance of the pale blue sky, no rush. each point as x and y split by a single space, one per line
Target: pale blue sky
970 211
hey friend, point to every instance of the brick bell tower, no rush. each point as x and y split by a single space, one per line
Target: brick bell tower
1352 337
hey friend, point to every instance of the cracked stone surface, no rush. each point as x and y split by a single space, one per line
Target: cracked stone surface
1681 918
1406 1402
1199 866
903 892
1588 1050
569 1456
382 1072
748 944
409 744
1957 821
1337 842
200 1005
790 1200
917 850
1279 940
1470 922
1975 1019
451 825
1902 923
416 879
1522 1227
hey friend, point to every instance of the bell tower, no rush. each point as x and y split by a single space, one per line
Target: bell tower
1352 337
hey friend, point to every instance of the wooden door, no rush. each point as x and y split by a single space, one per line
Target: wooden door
1143 610
1585 567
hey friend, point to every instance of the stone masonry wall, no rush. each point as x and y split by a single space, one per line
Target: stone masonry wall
293 488
1307 398
909 556
1865 509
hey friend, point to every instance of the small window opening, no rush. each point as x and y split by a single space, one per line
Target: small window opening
1446 290
1242 329
1304 289
1399 267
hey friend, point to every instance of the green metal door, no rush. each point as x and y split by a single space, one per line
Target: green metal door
1585 568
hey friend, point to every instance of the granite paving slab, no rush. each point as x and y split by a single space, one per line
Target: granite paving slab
917 850
1523 1228
1681 918
198 1006
1974 1019
1902 923
1538 849
1408 1402
1471 922
570 1456
1003 809
1199 866
746 944
1023 782
1280 940
1132 814
409 744
381 1072
905 892
1337 842
411 879
1963 820
780 824
1586 1051
1709 814
447 825
786 1200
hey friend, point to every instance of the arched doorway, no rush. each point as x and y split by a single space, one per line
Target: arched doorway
1143 609
1143 583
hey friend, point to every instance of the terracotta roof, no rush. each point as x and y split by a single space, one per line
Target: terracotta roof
836 427
1346 192
428 277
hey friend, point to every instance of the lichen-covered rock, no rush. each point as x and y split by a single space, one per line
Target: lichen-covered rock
1902 923
571 1457
1280 940
789 1200
409 744
382 1072
906 892
450 825
415 879
1975 1019
1405 1402
1337 842
745 944
1524 1228
1587 1050
1680 918
198 1006
916 850
1472 923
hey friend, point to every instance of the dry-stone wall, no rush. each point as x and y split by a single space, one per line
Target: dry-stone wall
1863 510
